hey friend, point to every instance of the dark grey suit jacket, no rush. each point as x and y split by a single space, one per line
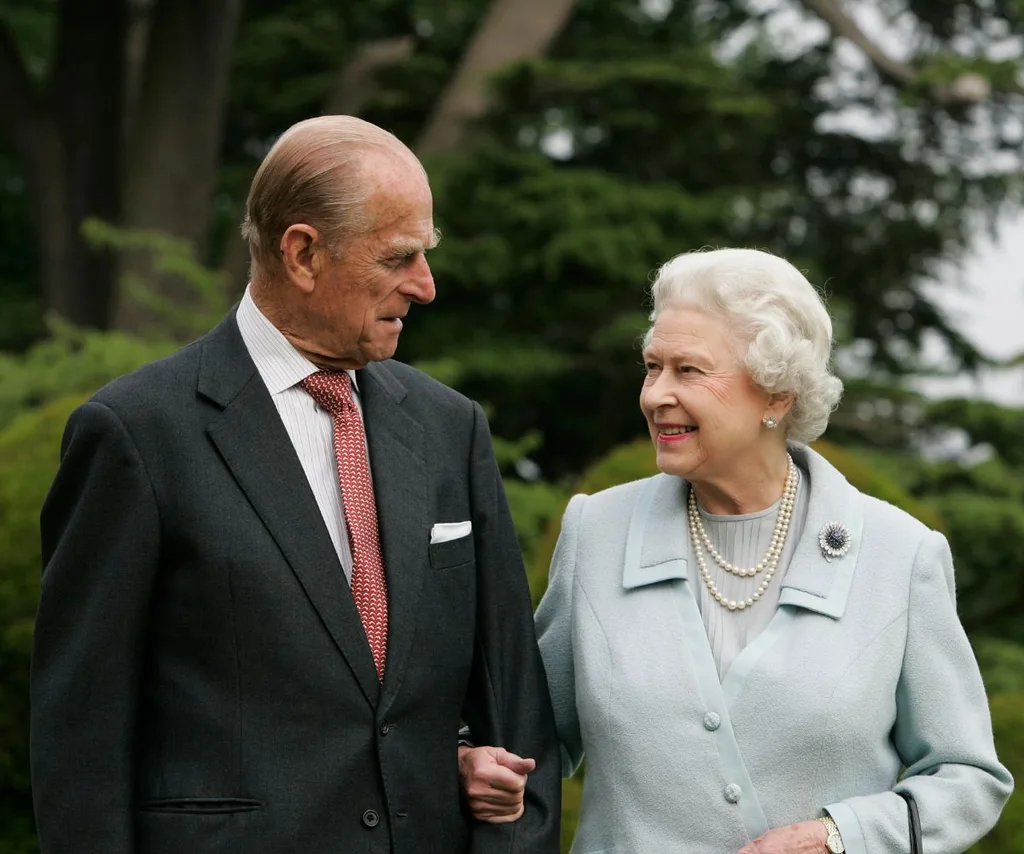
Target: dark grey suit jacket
201 680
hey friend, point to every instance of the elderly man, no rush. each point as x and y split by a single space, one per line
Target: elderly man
261 625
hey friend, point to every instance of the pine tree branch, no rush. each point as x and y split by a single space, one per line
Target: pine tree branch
966 89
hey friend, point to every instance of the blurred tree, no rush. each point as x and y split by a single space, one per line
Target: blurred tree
664 94
115 109
656 128
62 112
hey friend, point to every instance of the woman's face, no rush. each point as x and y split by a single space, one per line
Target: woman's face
703 411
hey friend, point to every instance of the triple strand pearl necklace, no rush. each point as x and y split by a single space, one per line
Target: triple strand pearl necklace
769 563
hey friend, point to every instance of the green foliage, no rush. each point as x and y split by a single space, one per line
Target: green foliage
572 794
984 422
1008 726
72 360
877 481
33 23
987 537
28 461
533 507
637 137
1002 665
169 257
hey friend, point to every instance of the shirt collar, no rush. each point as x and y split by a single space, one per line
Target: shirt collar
280 365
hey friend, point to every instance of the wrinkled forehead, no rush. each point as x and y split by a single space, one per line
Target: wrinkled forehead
688 327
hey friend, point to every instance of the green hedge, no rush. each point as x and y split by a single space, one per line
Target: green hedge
1008 725
29 449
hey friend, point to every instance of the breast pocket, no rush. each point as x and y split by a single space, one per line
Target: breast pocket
452 554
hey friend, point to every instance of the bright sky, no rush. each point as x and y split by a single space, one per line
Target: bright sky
984 298
985 301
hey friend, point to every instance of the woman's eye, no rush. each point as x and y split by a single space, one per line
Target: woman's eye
651 367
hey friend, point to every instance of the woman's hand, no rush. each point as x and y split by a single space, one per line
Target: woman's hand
494 781
807 837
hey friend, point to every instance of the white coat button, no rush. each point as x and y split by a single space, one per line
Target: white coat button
712 721
733 793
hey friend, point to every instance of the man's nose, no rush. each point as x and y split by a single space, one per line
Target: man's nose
419 287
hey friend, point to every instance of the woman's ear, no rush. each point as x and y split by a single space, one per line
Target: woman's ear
299 256
779 405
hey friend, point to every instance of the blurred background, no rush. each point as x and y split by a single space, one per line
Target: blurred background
572 147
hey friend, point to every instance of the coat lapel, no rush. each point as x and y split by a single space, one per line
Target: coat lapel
657 544
395 440
257 450
812 581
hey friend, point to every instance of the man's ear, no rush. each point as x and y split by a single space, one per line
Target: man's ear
299 256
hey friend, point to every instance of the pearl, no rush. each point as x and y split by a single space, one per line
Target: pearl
768 564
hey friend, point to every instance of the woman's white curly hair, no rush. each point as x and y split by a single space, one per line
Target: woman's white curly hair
776 313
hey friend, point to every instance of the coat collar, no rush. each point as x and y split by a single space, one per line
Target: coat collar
658 539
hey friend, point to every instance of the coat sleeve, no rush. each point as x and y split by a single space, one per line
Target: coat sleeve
507 703
100 544
943 731
554 629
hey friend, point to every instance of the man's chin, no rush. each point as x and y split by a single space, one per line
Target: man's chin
381 352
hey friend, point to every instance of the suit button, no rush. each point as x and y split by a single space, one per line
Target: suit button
733 793
385 728
370 818
712 721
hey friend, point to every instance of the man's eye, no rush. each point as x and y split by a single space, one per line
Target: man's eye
397 261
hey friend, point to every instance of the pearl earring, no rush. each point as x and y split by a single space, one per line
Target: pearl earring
770 422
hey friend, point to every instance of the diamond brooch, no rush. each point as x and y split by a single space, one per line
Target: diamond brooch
835 540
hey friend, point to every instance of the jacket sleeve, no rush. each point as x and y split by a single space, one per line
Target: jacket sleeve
100 544
507 703
554 630
943 731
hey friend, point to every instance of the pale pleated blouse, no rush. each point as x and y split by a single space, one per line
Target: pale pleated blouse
743 540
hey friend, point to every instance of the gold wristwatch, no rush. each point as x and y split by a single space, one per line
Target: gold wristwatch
834 843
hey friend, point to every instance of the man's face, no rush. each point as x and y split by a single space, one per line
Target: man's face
361 297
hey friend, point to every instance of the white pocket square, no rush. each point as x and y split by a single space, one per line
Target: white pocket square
442 532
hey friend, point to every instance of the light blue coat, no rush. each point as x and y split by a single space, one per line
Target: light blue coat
863 670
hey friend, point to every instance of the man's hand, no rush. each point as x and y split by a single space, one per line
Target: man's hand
494 781
807 837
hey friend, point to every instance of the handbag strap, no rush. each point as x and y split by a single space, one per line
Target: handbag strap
916 842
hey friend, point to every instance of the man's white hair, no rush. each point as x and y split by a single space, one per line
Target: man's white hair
775 313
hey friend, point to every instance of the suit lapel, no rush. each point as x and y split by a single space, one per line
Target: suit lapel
400 487
257 450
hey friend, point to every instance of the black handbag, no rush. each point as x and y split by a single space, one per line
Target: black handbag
916 845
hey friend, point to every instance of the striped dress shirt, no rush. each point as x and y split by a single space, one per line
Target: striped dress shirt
310 428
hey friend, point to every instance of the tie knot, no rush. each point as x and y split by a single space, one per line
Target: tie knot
332 390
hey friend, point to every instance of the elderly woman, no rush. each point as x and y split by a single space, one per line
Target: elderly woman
753 655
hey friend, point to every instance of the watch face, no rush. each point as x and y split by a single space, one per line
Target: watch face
835 843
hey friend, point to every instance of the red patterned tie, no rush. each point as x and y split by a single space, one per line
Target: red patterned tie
333 392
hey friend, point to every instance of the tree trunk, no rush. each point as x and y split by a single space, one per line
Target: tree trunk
512 30
69 143
175 138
